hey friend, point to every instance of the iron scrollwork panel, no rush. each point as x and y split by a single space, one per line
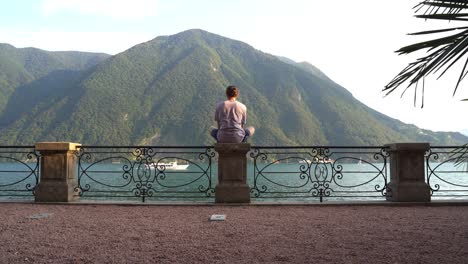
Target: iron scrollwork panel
19 171
446 175
319 172
145 172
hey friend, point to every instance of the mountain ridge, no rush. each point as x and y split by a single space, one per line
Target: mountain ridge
163 92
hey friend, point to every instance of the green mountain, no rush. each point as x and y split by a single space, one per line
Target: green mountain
21 67
163 92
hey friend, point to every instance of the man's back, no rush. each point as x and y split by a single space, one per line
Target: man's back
231 117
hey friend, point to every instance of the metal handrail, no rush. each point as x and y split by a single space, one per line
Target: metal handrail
320 172
145 172
21 179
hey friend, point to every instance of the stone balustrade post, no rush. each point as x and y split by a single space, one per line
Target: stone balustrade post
58 172
232 173
407 173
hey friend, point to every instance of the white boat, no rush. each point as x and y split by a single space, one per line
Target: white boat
168 166
316 161
360 162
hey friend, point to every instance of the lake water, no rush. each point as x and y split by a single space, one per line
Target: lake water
269 182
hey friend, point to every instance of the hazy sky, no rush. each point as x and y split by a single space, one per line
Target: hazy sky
353 42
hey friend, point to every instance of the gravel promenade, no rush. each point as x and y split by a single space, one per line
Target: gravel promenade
38 233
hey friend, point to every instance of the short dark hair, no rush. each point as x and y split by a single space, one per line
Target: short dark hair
232 91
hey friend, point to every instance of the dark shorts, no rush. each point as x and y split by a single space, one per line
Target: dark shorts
248 132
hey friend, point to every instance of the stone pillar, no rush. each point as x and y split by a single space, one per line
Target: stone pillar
232 173
407 173
58 172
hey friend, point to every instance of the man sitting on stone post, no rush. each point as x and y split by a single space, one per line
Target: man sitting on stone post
231 116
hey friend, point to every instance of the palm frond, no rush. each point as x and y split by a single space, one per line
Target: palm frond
442 53
437 31
441 7
460 156
456 17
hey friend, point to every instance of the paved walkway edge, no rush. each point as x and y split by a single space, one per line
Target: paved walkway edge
325 204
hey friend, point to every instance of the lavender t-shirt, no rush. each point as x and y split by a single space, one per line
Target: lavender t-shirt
231 117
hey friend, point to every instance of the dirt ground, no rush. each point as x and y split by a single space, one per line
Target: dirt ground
38 233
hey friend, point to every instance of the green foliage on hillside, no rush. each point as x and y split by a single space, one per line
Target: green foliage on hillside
33 67
163 92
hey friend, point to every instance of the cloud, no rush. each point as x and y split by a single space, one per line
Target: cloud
120 9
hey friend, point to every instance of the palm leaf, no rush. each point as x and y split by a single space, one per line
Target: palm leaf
437 7
442 53
460 156
437 31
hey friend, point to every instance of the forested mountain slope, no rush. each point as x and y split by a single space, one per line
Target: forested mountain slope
163 92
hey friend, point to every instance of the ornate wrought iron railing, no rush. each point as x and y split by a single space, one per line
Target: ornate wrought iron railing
447 171
19 171
323 173
145 172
